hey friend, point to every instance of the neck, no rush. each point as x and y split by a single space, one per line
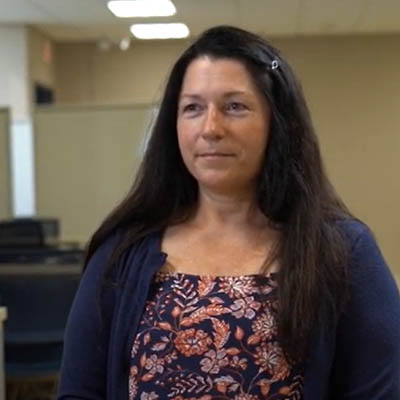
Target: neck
217 211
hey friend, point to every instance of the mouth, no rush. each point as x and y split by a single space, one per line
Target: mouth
215 155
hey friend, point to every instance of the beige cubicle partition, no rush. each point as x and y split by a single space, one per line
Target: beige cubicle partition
5 189
85 162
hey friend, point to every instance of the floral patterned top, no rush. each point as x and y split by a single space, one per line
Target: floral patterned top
205 337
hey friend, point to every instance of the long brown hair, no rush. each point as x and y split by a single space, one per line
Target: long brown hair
293 190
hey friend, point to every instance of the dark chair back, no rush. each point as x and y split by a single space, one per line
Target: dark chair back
38 300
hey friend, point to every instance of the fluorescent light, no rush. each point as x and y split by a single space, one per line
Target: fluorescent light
160 31
141 8
124 44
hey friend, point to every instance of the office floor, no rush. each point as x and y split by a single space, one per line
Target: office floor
43 389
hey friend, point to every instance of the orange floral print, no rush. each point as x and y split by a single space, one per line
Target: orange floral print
245 307
264 325
211 338
269 356
213 361
191 341
237 286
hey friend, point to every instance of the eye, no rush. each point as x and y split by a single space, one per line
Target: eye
236 106
191 108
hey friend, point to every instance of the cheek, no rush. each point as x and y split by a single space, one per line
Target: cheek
185 143
257 138
257 147
264 129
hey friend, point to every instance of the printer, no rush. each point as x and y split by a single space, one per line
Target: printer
35 240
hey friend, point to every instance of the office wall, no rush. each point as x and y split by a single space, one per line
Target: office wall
353 88
87 75
40 59
86 159
5 192
352 85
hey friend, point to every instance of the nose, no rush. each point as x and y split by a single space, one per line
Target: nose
213 127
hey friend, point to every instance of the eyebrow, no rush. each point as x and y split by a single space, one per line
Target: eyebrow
227 94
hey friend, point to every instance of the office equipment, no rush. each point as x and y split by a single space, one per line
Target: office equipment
35 241
27 232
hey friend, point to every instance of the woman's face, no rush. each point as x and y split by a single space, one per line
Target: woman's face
222 124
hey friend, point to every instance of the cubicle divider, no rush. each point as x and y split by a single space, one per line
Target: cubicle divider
85 162
5 188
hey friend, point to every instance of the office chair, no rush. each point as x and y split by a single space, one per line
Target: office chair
38 300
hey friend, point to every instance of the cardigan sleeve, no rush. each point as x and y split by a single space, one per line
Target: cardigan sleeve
367 354
84 363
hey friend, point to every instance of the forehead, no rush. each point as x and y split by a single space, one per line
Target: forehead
206 73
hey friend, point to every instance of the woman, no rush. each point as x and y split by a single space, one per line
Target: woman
232 269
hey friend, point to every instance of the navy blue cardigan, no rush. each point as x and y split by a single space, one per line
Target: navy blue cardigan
362 363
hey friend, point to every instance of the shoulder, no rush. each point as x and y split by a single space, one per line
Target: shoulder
103 255
362 245
373 294
366 263
368 333
98 261
353 230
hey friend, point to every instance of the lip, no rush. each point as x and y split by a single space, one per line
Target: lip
215 155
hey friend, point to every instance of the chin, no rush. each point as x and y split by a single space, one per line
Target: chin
222 186
221 181
215 180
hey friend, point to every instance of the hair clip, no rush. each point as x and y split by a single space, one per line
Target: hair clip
274 64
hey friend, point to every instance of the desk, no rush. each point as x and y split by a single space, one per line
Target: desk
39 269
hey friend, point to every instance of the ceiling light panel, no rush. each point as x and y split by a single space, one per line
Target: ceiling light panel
141 8
160 31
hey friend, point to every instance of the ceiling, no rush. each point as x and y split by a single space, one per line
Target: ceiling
90 20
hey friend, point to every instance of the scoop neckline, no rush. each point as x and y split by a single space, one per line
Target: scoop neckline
270 275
